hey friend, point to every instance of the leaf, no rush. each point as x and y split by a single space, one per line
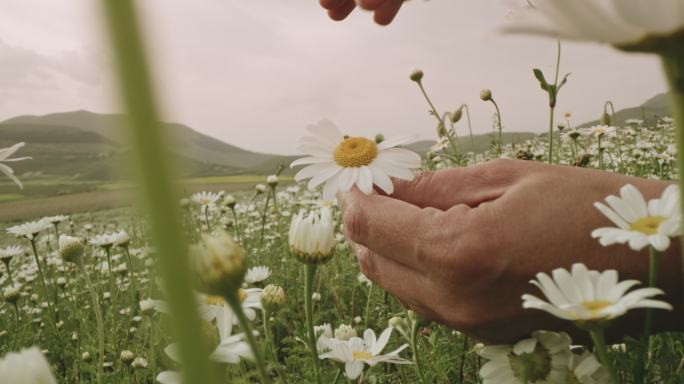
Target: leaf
542 80
562 83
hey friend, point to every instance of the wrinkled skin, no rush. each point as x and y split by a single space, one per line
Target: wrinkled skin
384 11
459 246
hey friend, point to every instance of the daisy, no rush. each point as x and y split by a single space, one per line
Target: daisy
599 131
257 274
584 295
543 358
341 161
356 352
104 240
121 238
7 253
312 238
629 24
29 230
641 224
54 220
206 200
5 153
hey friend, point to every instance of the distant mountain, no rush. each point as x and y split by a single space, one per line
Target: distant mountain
88 146
651 110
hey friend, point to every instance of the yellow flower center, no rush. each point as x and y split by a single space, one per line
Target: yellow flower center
242 295
647 225
214 300
361 355
596 305
355 152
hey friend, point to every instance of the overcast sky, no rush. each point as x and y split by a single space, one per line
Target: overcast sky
254 73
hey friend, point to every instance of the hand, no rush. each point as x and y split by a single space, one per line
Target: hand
459 246
384 11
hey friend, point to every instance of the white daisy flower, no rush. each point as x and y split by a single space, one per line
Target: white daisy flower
121 238
623 23
356 352
543 358
55 219
5 153
10 252
584 295
206 200
599 131
325 337
257 274
641 224
342 161
30 229
103 240
312 238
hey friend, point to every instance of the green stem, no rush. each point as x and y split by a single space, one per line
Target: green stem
553 101
206 217
98 318
470 128
237 228
154 172
234 301
551 113
602 351
9 272
414 350
309 273
337 376
368 305
673 64
499 143
42 278
653 263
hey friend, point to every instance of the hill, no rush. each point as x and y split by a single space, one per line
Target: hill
650 111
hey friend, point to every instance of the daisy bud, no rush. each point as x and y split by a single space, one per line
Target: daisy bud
400 324
457 115
259 189
605 119
12 294
27 366
316 296
122 239
272 296
86 356
486 95
61 282
139 363
71 248
357 320
127 356
219 263
416 75
272 180
312 239
345 332
379 138
229 201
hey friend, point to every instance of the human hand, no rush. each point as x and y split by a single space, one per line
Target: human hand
384 11
459 246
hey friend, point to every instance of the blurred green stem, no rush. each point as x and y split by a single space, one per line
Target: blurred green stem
154 173
602 352
673 64
98 319
414 350
309 273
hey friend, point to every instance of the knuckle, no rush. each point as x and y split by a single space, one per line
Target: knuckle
367 263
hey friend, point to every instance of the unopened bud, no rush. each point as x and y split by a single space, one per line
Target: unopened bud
416 75
486 95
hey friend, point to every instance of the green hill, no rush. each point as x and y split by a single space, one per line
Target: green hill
650 111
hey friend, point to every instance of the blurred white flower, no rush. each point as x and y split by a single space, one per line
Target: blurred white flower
599 131
356 352
28 366
10 252
623 23
584 295
641 224
586 369
5 153
544 358
30 229
341 161
257 274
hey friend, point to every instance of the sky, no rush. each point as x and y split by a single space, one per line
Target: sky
254 73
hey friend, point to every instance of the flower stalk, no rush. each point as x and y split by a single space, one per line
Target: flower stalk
155 176
98 319
598 338
309 273
414 351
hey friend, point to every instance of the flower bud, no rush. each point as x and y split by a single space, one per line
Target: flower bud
86 356
127 356
61 282
457 115
12 294
379 138
219 263
416 75
139 363
605 119
272 180
486 95
229 201
259 189
71 248
345 332
273 296
312 238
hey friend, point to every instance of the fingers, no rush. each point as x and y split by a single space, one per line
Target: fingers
406 284
386 12
338 9
401 231
471 186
